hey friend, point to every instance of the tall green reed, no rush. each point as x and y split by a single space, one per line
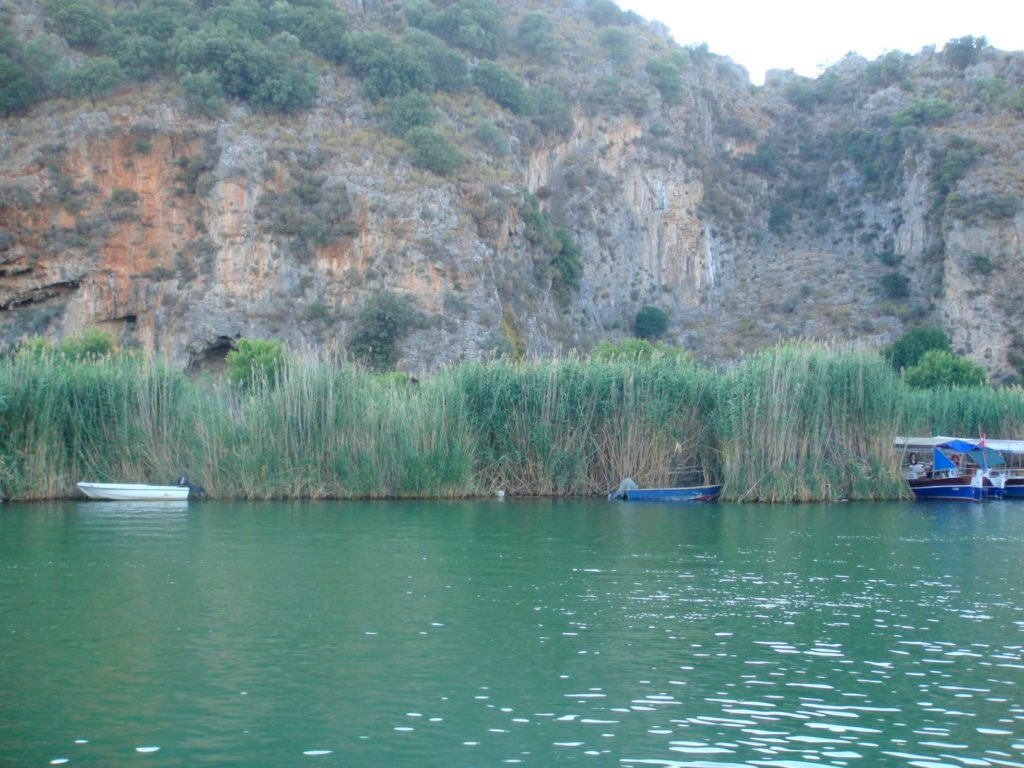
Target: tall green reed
804 421
963 412
795 422
578 427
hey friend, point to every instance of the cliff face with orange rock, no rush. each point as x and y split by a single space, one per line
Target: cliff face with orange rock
829 208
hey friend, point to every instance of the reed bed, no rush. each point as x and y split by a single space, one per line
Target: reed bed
574 427
796 422
808 422
963 412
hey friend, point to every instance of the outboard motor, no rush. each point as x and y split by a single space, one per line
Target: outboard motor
626 485
194 491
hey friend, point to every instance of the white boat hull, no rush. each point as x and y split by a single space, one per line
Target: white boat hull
133 492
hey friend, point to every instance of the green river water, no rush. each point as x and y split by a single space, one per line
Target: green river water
515 632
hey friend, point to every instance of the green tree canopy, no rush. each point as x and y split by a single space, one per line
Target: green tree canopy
962 52
908 350
650 322
386 68
81 22
17 91
449 68
502 86
550 112
939 368
617 44
604 12
664 74
383 322
432 151
413 110
253 362
96 77
272 75
536 37
321 30
477 26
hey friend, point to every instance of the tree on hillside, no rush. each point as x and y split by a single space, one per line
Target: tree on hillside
477 26
432 151
383 322
386 68
502 86
17 91
938 368
963 52
908 350
535 36
96 78
650 322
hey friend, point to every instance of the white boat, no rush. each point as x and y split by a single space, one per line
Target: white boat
134 492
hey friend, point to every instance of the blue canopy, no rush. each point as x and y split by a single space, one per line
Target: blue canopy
960 446
941 460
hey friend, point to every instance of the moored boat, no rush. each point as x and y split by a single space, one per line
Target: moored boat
959 471
134 492
630 491
1014 488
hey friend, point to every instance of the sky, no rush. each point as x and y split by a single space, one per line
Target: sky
809 35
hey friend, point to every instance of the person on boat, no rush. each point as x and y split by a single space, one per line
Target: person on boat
914 466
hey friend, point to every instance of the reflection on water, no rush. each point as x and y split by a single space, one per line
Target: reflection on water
113 509
532 633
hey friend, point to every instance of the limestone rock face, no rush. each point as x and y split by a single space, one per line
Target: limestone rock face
830 208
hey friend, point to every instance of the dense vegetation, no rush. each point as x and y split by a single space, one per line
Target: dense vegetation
793 422
270 54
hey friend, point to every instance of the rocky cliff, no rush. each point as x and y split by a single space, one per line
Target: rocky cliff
880 196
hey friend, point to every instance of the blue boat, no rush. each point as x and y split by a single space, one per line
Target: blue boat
629 491
959 471
1014 488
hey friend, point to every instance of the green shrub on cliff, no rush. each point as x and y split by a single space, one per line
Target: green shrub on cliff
270 75
255 362
387 69
448 67
82 23
383 322
650 322
321 29
256 52
96 78
536 37
664 74
962 52
433 152
413 110
559 263
17 91
477 26
502 86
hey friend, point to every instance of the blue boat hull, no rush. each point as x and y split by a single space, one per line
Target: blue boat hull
1014 489
949 492
694 493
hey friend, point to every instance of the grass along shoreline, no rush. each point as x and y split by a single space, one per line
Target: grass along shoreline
794 422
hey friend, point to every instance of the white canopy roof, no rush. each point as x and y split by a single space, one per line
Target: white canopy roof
917 443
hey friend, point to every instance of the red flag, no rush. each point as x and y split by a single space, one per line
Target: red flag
981 438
